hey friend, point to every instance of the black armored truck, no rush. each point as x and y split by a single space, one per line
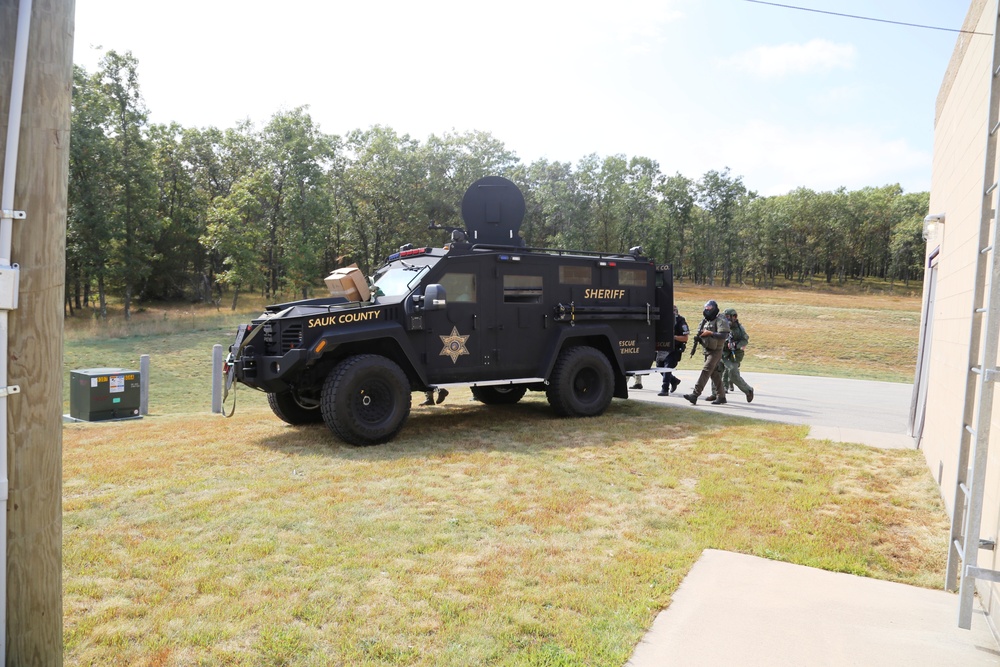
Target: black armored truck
483 311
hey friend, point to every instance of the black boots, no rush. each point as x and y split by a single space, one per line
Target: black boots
442 394
670 384
713 399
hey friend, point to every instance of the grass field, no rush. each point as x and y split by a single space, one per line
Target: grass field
482 535
798 332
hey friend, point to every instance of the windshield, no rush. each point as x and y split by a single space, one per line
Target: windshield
399 279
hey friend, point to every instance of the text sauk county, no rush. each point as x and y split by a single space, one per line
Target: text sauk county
345 318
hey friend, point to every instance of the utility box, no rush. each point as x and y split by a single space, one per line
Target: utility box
97 394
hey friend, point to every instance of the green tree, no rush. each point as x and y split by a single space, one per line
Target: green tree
762 238
907 245
132 175
381 195
451 163
296 156
236 232
719 196
610 195
224 160
871 219
676 215
554 205
179 260
88 228
641 197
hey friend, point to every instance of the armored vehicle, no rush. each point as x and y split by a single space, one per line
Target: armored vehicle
483 311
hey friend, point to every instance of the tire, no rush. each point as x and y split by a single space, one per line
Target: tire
289 408
366 399
499 395
582 383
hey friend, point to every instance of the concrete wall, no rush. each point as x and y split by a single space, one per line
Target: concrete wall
960 136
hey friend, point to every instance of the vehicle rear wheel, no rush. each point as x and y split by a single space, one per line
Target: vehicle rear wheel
499 395
292 409
366 399
582 383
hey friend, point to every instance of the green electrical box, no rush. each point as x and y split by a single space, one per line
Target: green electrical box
96 394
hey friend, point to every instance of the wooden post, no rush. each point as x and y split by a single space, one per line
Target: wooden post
38 246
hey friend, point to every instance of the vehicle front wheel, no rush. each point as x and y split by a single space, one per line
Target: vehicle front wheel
292 409
499 395
366 399
582 383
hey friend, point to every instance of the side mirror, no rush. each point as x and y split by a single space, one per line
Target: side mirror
435 297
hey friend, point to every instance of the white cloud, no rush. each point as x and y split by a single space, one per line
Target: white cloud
824 158
818 55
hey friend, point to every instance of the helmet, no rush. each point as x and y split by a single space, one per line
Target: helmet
731 312
711 310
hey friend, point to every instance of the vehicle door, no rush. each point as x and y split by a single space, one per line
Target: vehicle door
522 319
460 337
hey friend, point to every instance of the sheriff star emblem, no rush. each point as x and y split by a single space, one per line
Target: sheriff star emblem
454 345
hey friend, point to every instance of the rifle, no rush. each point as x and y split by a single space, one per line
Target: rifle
697 338
729 350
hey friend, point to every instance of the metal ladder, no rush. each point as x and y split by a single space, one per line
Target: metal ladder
967 510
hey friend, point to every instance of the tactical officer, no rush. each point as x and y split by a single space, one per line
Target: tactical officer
671 359
712 335
429 397
732 355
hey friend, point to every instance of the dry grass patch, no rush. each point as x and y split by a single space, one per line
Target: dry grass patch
482 535
859 336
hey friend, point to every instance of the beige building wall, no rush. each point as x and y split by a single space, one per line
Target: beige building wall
960 137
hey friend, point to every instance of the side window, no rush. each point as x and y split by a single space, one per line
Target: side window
632 277
522 289
576 275
459 287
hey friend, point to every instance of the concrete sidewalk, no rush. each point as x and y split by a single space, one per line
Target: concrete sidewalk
734 609
862 411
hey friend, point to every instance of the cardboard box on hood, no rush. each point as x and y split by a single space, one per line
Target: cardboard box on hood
349 283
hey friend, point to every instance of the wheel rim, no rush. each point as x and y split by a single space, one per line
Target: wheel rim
305 403
373 402
587 385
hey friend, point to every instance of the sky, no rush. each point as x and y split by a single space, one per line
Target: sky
782 98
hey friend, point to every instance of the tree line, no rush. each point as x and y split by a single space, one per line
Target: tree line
164 212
